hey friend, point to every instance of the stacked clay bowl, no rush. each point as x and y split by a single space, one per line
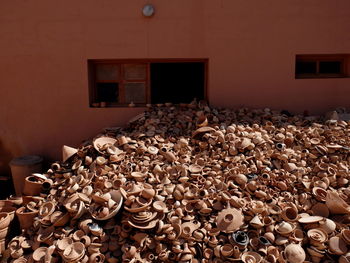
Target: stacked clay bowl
191 183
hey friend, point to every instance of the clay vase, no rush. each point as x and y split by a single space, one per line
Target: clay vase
25 218
32 186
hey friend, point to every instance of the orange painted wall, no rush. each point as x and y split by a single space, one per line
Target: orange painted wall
251 47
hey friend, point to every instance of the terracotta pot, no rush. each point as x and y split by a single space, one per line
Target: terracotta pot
25 218
32 186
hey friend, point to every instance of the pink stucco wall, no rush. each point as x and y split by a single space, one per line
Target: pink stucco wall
251 47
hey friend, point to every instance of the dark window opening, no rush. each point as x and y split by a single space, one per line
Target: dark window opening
331 67
305 67
177 82
114 83
321 66
107 92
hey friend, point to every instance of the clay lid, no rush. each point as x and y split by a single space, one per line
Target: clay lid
337 245
68 152
229 220
152 150
294 253
310 219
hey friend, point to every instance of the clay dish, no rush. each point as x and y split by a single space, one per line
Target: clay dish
139 205
10 210
160 206
290 213
101 143
229 220
46 209
319 193
251 257
139 177
152 150
59 218
195 168
5 220
118 199
146 225
74 252
294 253
310 219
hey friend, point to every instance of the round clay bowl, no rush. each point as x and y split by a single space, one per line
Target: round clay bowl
5 220
251 257
102 142
159 206
118 199
9 210
74 252
62 244
47 209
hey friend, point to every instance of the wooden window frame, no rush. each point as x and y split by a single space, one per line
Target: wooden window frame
121 82
343 58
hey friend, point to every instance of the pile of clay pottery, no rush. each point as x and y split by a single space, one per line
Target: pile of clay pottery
191 183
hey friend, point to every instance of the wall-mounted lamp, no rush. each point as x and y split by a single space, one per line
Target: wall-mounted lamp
148 10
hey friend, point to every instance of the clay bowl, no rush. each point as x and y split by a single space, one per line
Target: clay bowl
5 220
118 199
10 210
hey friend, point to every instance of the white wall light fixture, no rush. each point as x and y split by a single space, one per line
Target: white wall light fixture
148 10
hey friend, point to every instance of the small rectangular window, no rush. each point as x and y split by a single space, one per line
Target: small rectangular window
321 66
115 83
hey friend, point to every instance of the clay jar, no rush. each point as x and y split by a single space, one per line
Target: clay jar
32 186
25 218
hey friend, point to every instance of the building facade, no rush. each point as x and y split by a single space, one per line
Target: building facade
250 51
